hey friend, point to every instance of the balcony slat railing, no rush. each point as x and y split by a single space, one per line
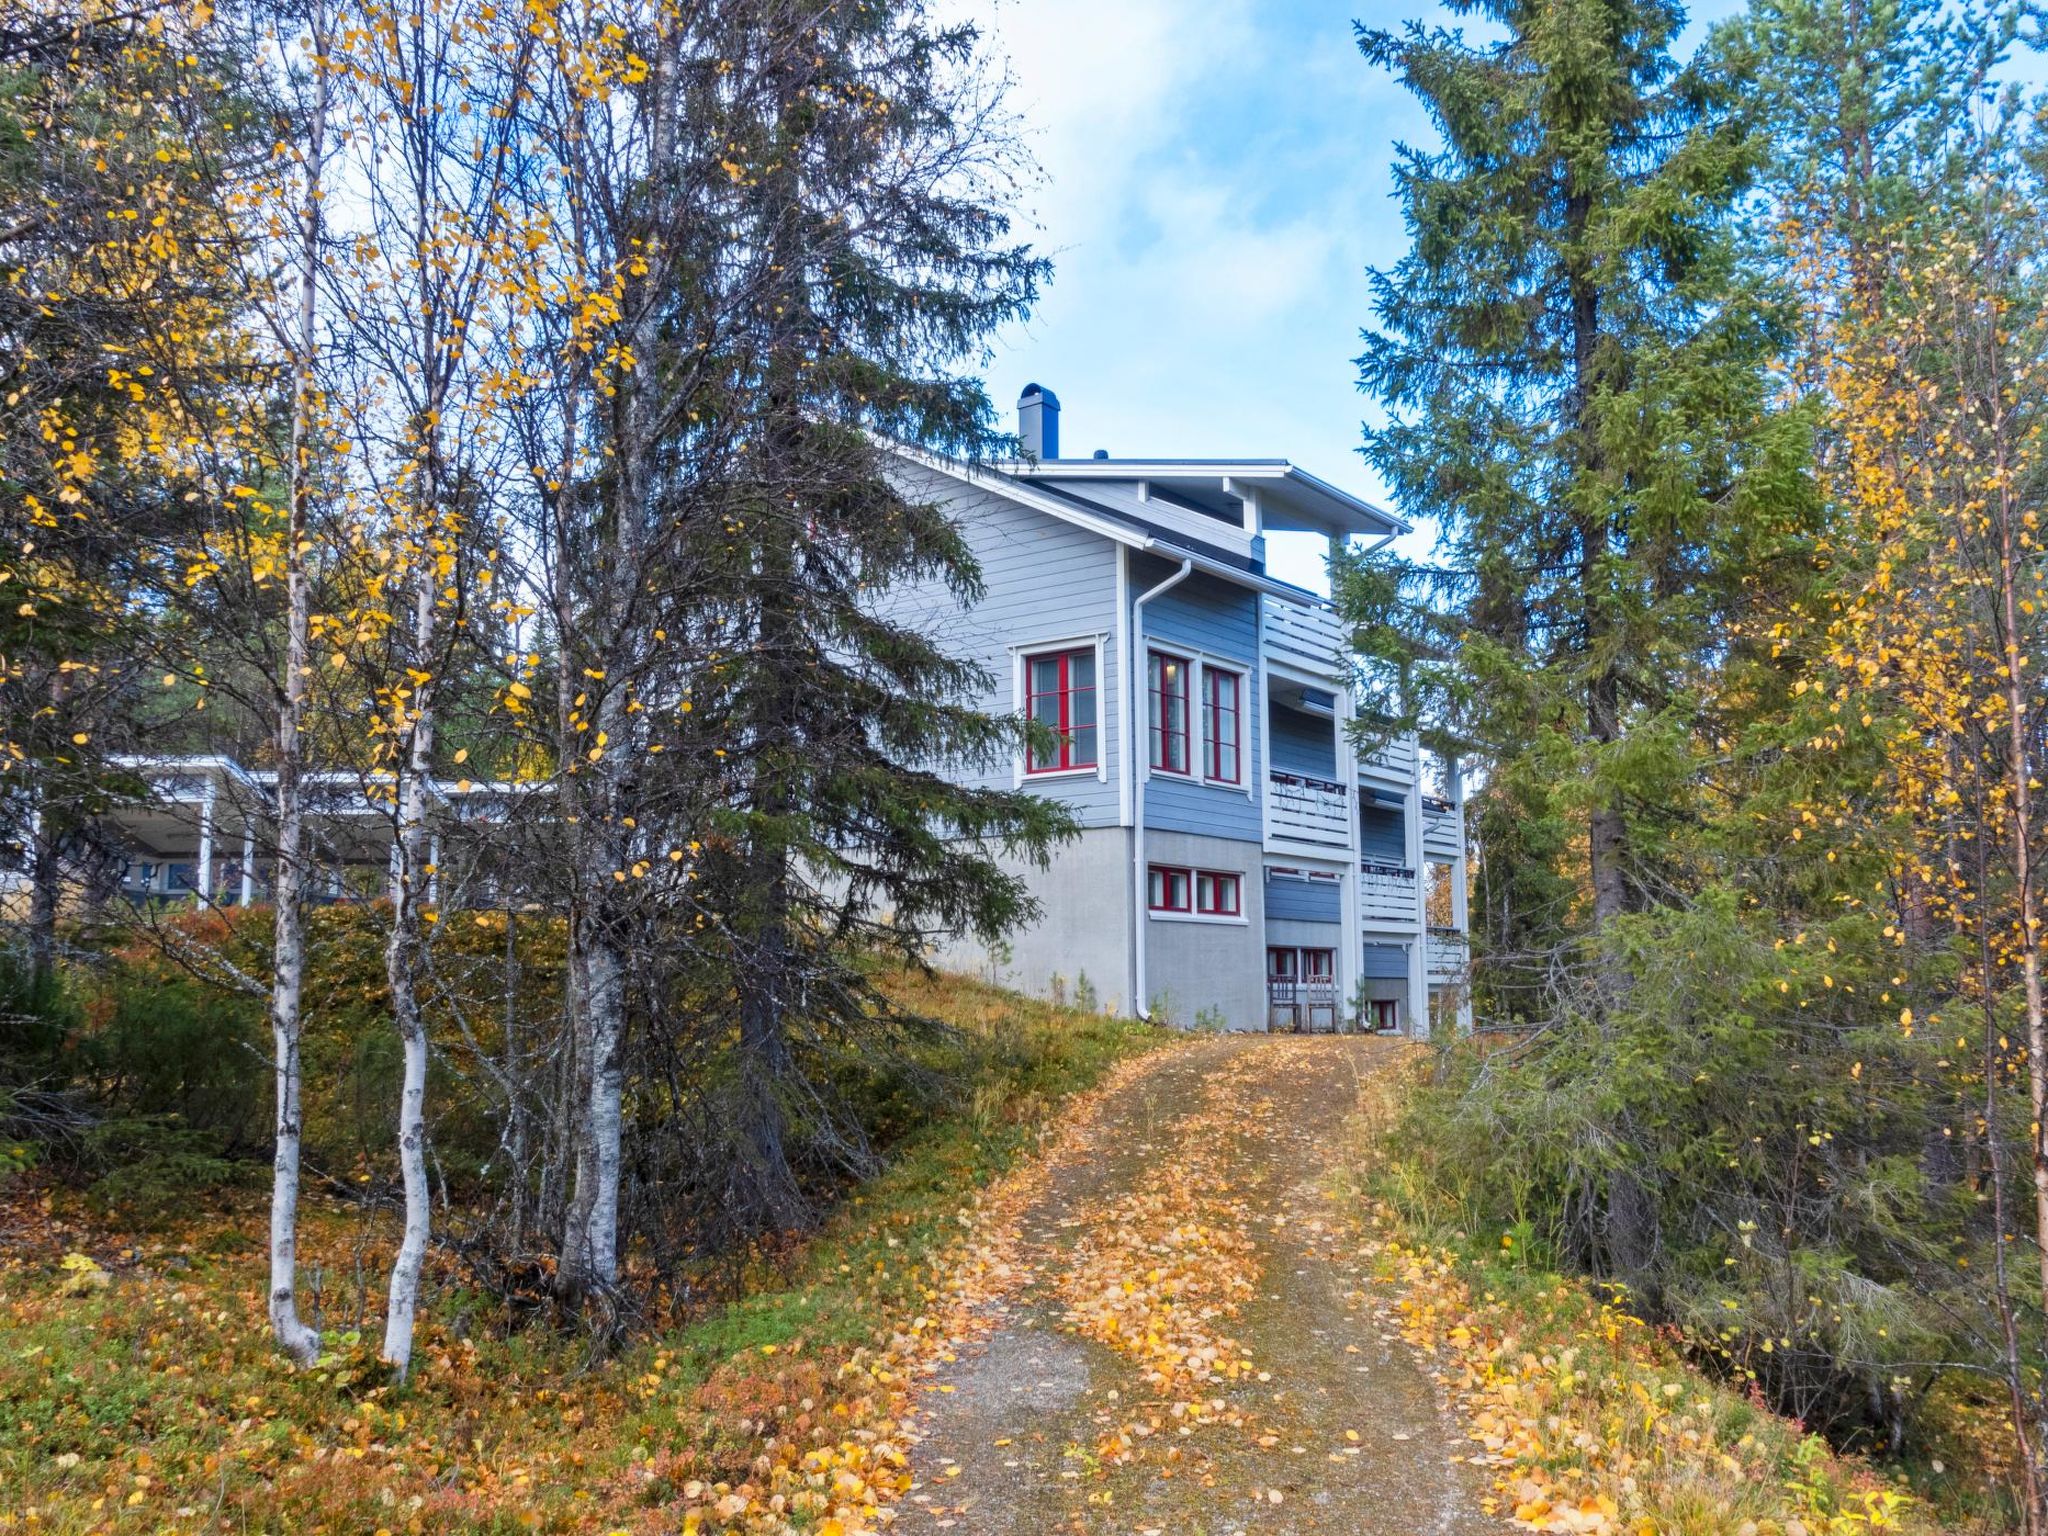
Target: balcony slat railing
1300 809
1386 893
1448 953
1309 637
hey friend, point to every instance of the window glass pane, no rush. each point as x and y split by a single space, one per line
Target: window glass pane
1222 728
1205 893
1081 749
1081 670
1081 707
1156 893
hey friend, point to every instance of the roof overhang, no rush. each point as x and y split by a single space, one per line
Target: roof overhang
1004 482
1290 499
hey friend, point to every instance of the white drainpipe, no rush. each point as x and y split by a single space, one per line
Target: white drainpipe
1136 663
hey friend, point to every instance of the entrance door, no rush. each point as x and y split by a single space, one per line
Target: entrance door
1301 989
1283 989
1319 987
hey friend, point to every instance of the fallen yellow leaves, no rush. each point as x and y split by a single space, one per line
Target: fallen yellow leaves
1605 1436
857 1467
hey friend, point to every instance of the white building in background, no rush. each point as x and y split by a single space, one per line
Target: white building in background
1239 863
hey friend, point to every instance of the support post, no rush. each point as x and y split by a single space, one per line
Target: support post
246 896
205 880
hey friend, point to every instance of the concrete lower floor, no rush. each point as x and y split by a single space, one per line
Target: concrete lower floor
1253 955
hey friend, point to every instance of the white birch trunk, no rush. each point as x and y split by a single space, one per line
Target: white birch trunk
402 968
592 1241
288 958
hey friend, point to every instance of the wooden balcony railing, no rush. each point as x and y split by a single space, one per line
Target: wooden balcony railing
1448 953
1300 809
1386 893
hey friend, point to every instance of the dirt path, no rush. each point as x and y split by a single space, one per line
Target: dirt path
1194 1348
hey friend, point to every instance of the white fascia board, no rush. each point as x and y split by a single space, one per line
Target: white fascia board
1218 469
1004 484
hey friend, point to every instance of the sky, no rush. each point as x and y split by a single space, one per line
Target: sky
1216 178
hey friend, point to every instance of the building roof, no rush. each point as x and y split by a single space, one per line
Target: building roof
1192 510
1290 498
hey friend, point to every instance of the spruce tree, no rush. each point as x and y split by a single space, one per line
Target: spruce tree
1573 364
873 175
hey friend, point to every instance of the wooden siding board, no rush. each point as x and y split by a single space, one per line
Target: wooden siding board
1305 744
1042 580
1307 901
1219 622
1381 836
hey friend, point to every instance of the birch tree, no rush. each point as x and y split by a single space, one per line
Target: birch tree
429 88
299 338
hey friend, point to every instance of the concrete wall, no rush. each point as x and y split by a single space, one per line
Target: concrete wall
1084 927
1211 964
1293 934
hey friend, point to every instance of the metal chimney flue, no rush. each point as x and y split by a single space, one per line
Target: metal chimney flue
1038 422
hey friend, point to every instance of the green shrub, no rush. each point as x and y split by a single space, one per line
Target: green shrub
152 1167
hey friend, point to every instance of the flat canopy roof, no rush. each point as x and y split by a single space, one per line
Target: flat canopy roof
1290 499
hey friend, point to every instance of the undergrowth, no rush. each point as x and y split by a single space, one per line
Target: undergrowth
1589 1419
139 1391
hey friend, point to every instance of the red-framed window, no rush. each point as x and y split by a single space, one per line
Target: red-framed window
1169 889
1218 894
1168 678
1204 892
1223 725
1060 694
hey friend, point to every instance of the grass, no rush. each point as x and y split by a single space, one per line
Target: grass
150 1400
1591 1421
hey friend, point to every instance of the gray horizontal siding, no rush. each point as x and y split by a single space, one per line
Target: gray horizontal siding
1043 580
1385 962
1308 901
1381 836
1302 743
1218 621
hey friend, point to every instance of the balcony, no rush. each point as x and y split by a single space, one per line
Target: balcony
1387 893
1447 954
1313 812
1443 828
1308 638
1394 763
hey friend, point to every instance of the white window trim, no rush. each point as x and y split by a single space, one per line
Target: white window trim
1214 918
1020 774
1242 672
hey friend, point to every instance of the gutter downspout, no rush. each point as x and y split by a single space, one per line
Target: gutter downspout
1139 1005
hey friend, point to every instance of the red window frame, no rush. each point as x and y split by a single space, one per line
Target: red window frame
1211 885
1215 682
1164 736
1067 759
1160 888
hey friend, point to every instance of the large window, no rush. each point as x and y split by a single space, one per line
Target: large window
1061 696
1199 892
1223 725
1169 695
1168 889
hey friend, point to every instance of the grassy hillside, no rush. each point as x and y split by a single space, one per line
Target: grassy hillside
141 1394
1591 1421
